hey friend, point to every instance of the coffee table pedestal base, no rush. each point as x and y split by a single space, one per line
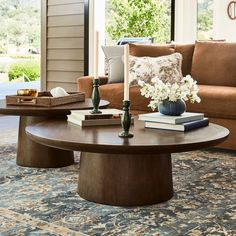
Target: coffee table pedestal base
125 180
32 154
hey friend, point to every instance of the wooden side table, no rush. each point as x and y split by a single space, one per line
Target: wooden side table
31 154
121 171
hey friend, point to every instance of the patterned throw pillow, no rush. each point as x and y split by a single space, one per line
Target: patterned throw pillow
167 68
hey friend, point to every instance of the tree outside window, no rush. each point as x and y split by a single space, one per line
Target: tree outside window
135 18
205 19
19 40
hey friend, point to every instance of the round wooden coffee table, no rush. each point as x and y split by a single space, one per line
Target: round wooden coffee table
121 171
31 154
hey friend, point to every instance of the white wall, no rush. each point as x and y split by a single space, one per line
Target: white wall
224 27
96 23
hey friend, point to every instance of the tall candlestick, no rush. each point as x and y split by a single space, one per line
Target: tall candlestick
95 93
126 72
96 54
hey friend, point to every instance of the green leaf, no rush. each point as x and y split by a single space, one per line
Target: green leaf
135 18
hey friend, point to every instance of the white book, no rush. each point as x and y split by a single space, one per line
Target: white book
158 117
178 127
95 122
86 115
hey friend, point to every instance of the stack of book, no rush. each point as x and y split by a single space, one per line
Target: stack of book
85 118
186 121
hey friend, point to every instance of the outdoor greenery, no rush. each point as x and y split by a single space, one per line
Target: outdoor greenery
19 40
20 24
4 67
29 70
205 19
135 18
150 18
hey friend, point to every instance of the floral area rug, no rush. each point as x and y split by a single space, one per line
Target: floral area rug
44 201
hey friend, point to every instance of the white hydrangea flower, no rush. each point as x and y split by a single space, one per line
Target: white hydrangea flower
158 91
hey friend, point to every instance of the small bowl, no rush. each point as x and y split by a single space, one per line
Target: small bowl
27 92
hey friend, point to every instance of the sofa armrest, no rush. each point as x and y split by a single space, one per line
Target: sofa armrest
85 84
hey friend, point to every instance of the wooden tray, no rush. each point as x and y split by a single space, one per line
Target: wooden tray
44 99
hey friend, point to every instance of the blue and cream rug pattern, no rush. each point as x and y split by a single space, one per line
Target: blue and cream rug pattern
44 201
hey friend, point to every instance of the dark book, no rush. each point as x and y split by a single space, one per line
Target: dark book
178 127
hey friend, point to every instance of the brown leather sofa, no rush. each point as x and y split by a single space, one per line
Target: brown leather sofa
212 64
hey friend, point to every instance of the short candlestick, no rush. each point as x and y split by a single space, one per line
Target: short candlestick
126 121
95 97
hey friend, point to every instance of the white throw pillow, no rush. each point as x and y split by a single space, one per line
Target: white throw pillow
114 57
167 68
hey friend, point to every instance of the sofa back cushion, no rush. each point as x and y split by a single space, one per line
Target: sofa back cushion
150 50
214 63
187 53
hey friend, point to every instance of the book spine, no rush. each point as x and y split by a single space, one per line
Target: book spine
95 117
196 124
188 119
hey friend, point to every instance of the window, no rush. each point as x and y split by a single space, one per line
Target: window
102 13
204 19
137 18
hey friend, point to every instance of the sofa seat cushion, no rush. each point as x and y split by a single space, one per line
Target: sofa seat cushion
214 63
216 101
114 93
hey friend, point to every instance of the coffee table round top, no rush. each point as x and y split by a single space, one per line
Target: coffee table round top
105 139
47 111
